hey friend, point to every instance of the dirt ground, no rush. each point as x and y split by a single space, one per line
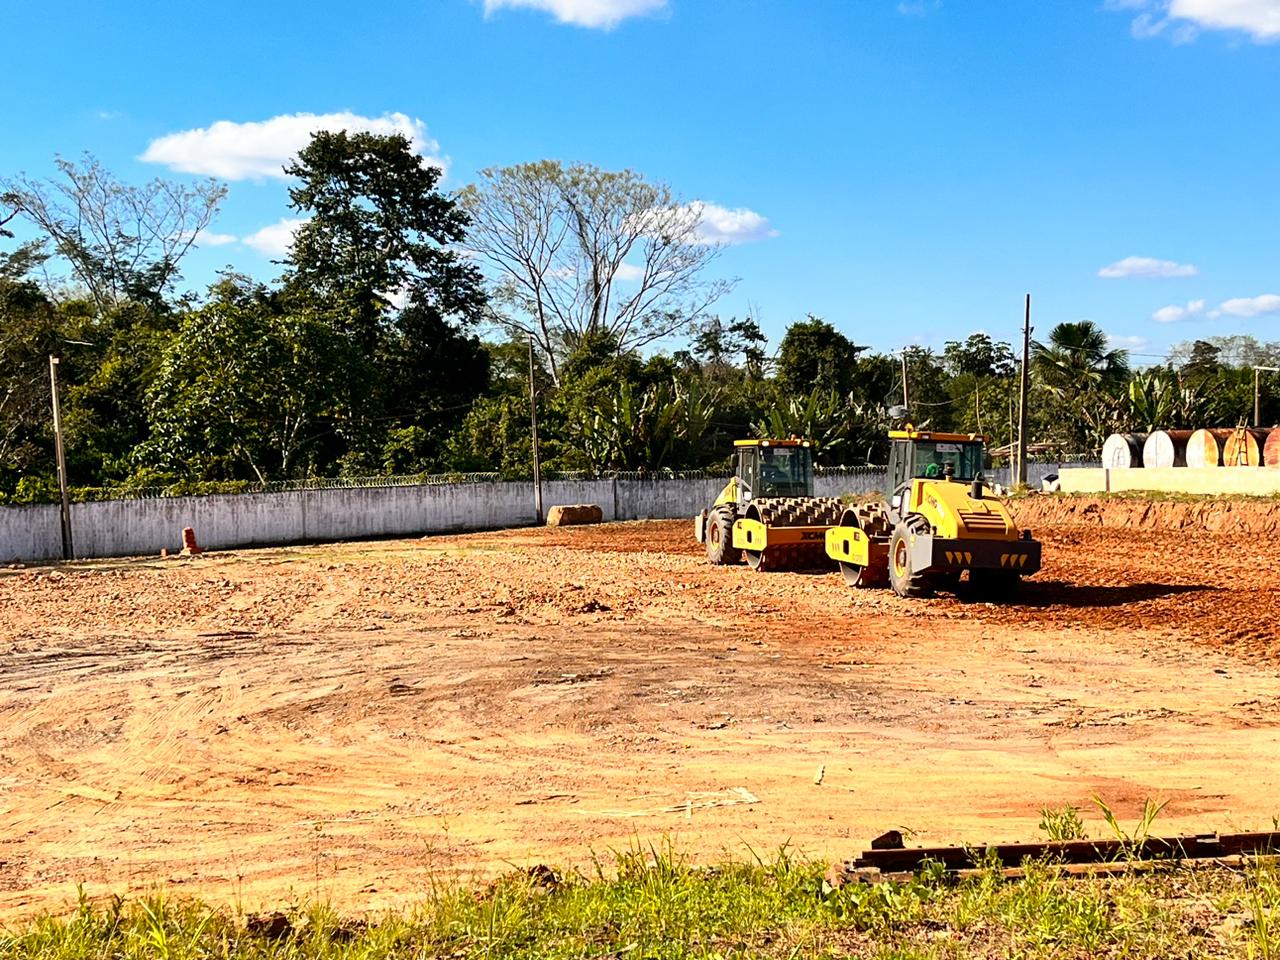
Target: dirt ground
352 722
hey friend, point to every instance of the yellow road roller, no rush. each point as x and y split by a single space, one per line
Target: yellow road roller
767 513
938 522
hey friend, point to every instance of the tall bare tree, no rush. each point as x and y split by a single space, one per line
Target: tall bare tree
576 251
117 238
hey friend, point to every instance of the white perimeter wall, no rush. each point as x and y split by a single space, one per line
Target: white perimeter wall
1205 481
123 528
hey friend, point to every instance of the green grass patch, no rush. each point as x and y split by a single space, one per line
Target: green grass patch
651 903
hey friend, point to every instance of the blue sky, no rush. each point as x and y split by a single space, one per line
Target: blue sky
907 170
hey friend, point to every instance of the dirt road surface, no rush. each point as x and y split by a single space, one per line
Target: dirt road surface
349 722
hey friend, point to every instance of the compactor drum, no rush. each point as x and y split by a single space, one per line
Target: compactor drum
866 523
767 513
937 524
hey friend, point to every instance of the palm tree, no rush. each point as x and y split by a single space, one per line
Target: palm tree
1076 360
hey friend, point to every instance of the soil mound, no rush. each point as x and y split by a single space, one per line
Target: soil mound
1254 517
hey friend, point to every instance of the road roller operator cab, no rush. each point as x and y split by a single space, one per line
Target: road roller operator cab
929 455
916 454
766 469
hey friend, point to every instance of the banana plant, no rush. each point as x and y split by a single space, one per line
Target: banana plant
1158 400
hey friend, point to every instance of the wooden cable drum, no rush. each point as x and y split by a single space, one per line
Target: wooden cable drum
1166 448
1123 450
1271 449
1204 449
1244 448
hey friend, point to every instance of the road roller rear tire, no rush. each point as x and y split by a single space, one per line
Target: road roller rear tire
720 548
904 582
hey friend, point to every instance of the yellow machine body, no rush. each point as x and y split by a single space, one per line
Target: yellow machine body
955 515
729 494
751 534
853 545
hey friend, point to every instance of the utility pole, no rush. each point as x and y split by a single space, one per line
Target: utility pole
1020 471
68 548
537 463
905 402
1257 392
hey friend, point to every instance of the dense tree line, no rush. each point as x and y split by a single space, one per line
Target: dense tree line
397 339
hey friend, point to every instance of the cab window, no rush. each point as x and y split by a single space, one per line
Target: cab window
785 472
938 458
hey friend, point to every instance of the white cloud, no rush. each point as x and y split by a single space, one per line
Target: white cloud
1173 312
207 238
1146 267
717 224
1249 306
275 239
628 273
260 149
601 14
1260 19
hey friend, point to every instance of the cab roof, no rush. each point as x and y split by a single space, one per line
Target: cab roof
911 433
789 442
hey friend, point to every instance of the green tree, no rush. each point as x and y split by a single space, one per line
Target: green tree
30 330
22 262
842 429
1159 400
1077 359
495 436
985 405
429 373
980 356
108 372
643 427
728 350
929 401
6 218
1232 350
1202 363
877 380
814 355
377 227
245 389
378 231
